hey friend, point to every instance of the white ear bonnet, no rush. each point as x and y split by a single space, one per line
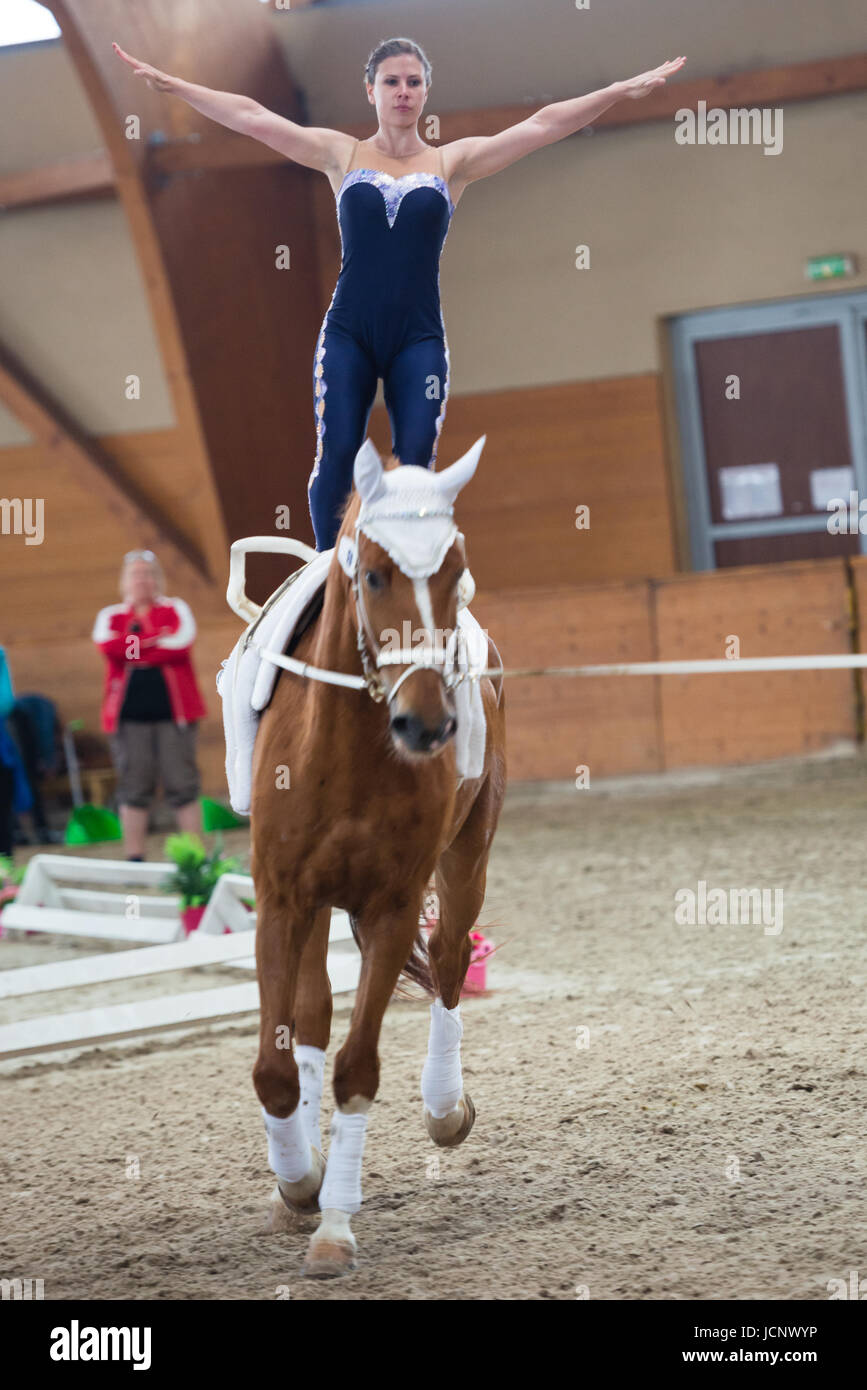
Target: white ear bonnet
393 502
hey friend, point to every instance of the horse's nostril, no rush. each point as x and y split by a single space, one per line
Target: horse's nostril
419 736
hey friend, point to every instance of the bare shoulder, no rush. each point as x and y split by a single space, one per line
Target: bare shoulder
341 146
479 156
456 158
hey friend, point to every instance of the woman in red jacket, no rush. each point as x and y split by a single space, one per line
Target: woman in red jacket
151 700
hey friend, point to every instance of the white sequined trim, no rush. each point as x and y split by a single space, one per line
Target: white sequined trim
394 190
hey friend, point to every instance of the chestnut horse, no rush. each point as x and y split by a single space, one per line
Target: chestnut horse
373 808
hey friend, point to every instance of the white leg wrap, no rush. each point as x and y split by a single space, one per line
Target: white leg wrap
342 1185
288 1146
311 1070
441 1082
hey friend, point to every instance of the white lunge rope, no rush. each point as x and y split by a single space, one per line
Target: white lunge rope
845 662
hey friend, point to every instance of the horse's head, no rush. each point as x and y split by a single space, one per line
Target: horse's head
401 548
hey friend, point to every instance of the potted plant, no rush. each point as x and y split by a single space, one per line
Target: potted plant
196 873
11 876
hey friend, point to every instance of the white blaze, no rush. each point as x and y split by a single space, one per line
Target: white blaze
424 605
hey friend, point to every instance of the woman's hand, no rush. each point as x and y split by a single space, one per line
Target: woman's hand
647 82
156 80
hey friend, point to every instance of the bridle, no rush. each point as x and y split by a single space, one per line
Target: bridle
414 659
447 666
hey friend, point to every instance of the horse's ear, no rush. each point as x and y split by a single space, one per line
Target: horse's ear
452 479
368 472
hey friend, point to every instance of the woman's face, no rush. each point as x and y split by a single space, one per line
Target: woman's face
139 583
399 92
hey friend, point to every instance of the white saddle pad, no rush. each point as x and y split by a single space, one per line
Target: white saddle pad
245 683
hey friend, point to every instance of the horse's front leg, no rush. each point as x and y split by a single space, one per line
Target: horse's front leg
313 1010
283 930
386 941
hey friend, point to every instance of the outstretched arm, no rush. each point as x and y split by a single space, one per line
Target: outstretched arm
314 147
477 156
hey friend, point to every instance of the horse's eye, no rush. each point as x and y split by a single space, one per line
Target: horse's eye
373 579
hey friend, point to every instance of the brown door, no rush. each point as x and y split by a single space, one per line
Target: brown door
782 449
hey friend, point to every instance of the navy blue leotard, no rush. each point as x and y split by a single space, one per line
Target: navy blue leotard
384 320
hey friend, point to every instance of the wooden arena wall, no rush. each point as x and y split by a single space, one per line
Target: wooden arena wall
608 725
634 724
550 594
549 450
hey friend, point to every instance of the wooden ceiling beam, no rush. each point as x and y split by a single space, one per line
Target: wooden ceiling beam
235 329
83 176
777 86
61 437
92 58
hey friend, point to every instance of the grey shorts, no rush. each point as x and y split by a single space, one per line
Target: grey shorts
144 754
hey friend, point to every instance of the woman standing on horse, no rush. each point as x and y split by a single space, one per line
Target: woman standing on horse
384 320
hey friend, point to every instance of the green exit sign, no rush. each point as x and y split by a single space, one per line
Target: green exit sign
829 267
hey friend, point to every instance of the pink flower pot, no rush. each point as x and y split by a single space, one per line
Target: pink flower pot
477 974
476 981
191 917
476 978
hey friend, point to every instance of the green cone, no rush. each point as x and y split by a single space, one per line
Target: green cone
91 825
216 816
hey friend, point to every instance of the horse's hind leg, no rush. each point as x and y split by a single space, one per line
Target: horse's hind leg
449 1112
287 941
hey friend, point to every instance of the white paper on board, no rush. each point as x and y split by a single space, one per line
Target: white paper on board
828 485
750 491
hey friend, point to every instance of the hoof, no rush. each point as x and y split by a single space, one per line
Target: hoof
332 1249
282 1219
291 1202
328 1259
452 1129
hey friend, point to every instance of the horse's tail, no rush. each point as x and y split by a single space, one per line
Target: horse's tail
417 968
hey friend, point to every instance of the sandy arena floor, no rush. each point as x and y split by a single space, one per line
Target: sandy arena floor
706 1143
